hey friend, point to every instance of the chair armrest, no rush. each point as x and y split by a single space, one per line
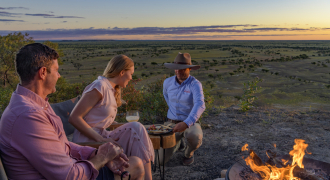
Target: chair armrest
114 126
91 144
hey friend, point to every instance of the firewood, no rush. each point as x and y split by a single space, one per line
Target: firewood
273 160
303 174
256 158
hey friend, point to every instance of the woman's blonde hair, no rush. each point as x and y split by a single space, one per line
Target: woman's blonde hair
113 69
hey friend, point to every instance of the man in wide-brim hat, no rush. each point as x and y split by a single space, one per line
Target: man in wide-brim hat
182 61
184 96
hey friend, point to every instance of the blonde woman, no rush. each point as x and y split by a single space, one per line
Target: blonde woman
97 110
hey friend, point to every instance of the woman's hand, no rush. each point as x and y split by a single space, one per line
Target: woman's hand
113 141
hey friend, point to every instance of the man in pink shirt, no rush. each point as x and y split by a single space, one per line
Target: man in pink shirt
33 143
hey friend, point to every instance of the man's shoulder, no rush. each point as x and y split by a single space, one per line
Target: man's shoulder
194 81
168 80
19 105
17 110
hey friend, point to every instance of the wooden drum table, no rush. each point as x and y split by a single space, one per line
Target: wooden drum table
165 141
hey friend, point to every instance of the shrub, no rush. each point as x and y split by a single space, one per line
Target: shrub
250 88
66 91
5 94
150 102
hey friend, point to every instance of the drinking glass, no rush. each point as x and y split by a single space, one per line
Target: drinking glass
132 116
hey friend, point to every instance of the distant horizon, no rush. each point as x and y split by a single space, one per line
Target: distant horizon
167 20
168 40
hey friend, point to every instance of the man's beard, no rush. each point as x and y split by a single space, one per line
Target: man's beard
182 77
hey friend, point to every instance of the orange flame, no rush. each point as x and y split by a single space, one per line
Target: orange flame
298 152
244 148
268 172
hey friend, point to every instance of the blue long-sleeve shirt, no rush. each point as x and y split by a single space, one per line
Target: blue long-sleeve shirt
185 100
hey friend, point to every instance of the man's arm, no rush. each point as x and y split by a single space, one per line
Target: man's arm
165 92
81 152
36 139
196 111
199 104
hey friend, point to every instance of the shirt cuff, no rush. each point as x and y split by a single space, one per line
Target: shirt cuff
189 122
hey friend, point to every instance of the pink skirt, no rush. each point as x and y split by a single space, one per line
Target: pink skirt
132 137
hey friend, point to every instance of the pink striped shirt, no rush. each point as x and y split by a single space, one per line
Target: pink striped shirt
33 143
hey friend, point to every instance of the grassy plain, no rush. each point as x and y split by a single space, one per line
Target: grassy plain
290 80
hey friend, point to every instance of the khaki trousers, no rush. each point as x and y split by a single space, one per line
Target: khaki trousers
193 136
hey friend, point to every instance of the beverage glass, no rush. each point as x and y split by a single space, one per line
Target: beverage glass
132 116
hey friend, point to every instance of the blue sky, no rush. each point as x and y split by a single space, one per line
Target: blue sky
145 19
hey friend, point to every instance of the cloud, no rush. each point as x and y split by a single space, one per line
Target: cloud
277 34
8 14
41 23
10 20
66 17
280 29
43 15
52 16
11 8
193 37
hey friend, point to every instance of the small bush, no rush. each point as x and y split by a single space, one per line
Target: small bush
5 95
66 91
150 102
250 88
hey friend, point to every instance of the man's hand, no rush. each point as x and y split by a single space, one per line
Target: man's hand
180 127
118 164
106 152
109 151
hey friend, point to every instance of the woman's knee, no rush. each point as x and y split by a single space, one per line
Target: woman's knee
136 124
136 164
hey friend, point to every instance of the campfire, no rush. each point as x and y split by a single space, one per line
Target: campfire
293 167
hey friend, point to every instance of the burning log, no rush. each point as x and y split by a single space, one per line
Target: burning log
277 168
297 171
256 159
303 174
274 160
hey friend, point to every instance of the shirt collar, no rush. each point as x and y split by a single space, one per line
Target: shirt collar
33 96
183 83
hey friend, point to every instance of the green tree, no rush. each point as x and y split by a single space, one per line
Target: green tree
55 47
77 65
154 63
212 76
9 45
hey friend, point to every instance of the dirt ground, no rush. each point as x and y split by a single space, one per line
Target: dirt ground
227 131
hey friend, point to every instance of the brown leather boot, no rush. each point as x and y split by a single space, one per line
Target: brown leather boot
188 161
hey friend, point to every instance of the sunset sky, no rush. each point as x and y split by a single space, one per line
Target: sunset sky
167 20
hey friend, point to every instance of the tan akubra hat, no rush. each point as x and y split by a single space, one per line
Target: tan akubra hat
182 61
